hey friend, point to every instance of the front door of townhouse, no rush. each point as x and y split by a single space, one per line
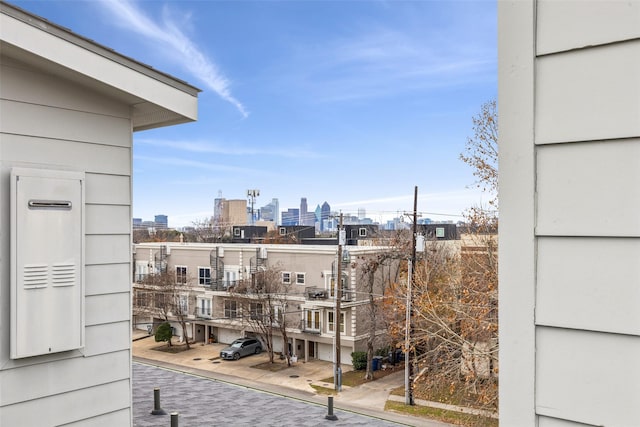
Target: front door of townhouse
311 349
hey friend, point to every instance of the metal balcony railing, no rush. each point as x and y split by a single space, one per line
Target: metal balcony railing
203 313
316 293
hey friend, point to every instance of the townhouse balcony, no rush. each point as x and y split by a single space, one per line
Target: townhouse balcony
310 328
222 286
316 293
201 313
313 293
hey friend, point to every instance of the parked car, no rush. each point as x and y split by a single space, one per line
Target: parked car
240 348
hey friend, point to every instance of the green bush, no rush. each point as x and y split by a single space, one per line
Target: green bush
359 360
164 333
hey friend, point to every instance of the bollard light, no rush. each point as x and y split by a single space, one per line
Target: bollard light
330 415
157 410
174 419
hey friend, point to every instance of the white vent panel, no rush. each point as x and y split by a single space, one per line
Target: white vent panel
47 262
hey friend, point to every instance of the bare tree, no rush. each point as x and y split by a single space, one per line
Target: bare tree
169 292
481 150
377 272
263 301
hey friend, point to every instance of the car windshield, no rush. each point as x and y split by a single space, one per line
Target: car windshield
236 344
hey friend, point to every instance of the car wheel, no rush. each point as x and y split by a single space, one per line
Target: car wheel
236 356
258 350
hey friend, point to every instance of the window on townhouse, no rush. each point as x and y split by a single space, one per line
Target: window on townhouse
204 276
204 307
312 320
255 311
332 286
230 275
300 278
286 277
142 270
142 299
278 314
230 309
181 274
182 305
159 300
331 321
362 232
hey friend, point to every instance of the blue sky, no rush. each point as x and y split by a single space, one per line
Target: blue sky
354 102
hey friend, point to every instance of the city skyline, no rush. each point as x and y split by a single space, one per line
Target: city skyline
352 102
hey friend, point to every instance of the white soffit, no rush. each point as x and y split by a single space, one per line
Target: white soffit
157 99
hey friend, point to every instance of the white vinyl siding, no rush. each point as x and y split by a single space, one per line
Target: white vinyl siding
569 203
94 136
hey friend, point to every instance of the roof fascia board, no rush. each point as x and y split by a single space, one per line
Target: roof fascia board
106 67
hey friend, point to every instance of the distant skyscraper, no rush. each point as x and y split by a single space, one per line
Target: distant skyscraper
362 213
162 221
303 211
270 212
325 213
229 212
218 210
306 217
291 217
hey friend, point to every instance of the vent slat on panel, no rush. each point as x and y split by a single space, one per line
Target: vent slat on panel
63 274
34 276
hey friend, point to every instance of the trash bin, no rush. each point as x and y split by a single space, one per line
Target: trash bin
399 356
392 358
376 363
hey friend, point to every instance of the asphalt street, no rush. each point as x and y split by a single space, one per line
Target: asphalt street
201 401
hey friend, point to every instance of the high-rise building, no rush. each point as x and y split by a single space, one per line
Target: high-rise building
161 221
306 217
229 212
291 217
270 212
303 211
318 217
324 214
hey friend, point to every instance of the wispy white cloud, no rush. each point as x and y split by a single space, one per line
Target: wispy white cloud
382 200
191 164
378 62
185 51
232 150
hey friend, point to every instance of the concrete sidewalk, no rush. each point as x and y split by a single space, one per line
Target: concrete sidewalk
295 381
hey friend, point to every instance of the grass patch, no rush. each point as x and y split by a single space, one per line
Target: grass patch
323 390
356 378
452 417
272 367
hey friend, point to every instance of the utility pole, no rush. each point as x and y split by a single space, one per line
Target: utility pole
337 380
409 369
